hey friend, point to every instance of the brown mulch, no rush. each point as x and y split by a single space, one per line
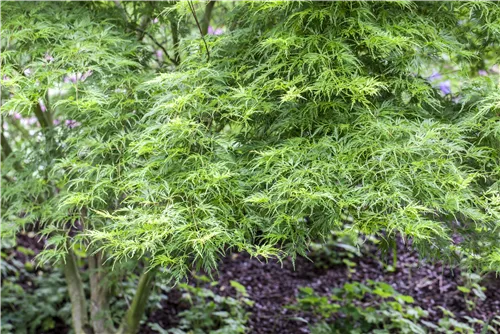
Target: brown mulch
274 285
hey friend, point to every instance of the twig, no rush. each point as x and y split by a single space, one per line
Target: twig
143 25
158 44
191 7
133 26
6 149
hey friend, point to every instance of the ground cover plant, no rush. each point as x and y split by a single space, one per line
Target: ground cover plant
388 312
146 140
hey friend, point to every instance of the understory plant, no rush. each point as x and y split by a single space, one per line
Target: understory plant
32 301
376 307
209 312
134 134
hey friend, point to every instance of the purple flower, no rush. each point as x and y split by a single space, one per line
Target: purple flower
434 76
32 120
155 20
56 122
71 123
159 55
217 31
27 72
71 78
445 87
75 77
482 73
17 115
48 57
43 108
5 78
86 75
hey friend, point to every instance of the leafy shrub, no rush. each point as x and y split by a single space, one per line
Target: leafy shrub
391 310
472 289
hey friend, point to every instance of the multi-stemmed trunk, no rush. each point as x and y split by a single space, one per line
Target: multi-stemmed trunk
100 321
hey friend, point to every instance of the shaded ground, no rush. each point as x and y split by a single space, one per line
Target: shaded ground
273 286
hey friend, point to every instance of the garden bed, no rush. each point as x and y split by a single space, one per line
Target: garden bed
273 286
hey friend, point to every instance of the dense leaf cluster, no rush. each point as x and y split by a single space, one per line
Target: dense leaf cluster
306 115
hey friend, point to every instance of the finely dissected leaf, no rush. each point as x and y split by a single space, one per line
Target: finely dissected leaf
306 116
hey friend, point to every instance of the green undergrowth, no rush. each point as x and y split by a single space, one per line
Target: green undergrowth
209 312
376 307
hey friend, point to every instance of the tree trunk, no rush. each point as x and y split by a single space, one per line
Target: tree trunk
206 17
99 304
77 296
131 320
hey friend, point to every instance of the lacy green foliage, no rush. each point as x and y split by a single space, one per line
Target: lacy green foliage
316 111
67 54
211 313
376 308
306 112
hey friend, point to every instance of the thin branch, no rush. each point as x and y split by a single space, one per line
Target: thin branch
99 303
145 19
133 26
142 27
191 7
159 45
41 117
6 149
131 320
48 111
77 295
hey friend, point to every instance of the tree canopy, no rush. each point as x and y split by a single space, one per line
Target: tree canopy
299 118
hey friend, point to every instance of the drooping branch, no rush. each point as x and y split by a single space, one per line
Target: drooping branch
132 319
